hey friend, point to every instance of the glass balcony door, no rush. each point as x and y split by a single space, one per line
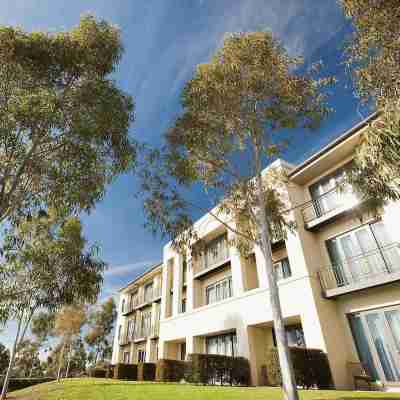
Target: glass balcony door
377 333
362 253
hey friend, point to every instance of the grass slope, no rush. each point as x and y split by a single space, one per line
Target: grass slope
107 389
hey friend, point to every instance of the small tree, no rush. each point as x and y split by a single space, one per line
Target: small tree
373 58
68 325
101 325
42 327
46 266
237 112
63 121
27 362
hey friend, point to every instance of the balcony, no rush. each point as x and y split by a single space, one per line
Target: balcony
330 205
155 330
215 255
375 268
143 299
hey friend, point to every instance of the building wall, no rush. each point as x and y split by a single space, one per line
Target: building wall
248 312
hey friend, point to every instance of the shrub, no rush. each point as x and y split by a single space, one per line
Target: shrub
213 369
170 370
97 372
22 383
146 372
311 368
110 371
126 371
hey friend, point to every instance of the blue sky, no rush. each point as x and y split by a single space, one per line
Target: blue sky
164 41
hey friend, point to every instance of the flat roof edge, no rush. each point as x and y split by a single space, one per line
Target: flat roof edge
152 268
350 132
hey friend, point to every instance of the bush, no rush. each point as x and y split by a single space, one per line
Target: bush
110 371
170 370
311 368
126 371
146 372
22 383
97 372
213 369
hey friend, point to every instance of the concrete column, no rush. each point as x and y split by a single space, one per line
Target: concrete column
238 281
165 296
261 269
177 284
148 350
116 350
189 286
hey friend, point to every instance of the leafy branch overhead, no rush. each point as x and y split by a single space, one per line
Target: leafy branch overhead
248 96
64 122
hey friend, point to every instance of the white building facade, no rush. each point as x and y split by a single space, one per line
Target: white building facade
338 276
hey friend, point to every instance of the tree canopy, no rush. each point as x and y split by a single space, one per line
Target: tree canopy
63 121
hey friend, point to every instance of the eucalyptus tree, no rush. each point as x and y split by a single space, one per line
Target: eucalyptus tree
238 113
373 58
101 324
68 324
63 120
47 264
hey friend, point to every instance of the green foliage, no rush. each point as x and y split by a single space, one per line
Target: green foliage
213 369
64 122
126 371
4 358
373 54
27 362
47 266
170 370
22 383
146 372
311 368
237 112
42 326
101 325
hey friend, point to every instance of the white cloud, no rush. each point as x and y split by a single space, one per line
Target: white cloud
127 269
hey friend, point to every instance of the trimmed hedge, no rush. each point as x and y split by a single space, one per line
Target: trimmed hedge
126 371
146 372
97 372
217 369
311 368
170 370
22 383
110 372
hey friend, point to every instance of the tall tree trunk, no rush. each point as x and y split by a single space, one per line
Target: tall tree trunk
60 361
69 361
285 362
12 361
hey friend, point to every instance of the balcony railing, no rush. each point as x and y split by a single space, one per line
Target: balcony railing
214 255
372 268
142 299
337 199
155 329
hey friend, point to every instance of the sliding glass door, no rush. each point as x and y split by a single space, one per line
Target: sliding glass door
377 337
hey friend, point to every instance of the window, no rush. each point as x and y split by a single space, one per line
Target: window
148 292
133 299
282 269
131 329
146 323
123 306
222 344
219 291
183 306
367 250
141 356
126 357
294 334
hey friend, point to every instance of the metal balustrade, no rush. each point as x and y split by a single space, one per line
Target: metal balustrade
143 298
338 198
367 269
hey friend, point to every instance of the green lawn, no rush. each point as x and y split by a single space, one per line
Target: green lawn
99 389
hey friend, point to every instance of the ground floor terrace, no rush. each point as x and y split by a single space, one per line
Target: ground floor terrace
360 332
